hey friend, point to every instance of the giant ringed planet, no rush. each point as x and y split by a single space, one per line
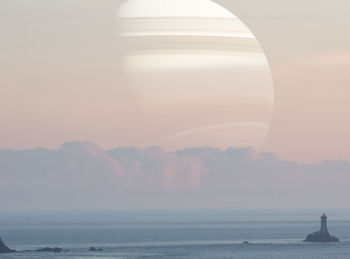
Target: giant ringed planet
197 73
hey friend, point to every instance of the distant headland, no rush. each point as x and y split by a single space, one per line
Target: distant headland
4 249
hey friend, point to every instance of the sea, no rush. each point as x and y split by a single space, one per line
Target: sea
270 234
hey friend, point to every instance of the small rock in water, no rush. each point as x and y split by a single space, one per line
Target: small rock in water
93 249
50 249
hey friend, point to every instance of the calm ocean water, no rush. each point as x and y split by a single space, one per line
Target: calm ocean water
196 234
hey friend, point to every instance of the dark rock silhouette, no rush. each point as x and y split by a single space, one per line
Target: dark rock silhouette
4 249
93 249
50 249
323 235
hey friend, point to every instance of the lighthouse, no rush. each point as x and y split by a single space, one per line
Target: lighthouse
324 229
322 235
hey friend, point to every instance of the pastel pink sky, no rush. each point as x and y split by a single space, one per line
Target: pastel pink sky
60 78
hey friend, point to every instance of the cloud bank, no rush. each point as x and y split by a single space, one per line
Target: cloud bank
83 176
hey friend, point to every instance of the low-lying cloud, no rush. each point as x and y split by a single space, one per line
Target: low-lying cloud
82 176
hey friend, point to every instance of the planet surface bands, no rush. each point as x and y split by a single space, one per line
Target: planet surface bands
196 68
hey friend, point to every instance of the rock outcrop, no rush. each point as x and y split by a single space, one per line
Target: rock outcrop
94 249
4 249
323 235
50 249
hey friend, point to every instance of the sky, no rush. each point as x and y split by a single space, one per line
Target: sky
60 78
71 129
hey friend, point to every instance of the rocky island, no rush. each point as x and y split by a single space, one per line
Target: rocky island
4 249
323 235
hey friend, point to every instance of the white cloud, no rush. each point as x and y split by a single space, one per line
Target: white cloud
82 176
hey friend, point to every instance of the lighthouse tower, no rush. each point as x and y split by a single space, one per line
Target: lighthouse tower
324 229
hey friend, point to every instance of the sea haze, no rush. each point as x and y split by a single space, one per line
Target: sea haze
175 234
